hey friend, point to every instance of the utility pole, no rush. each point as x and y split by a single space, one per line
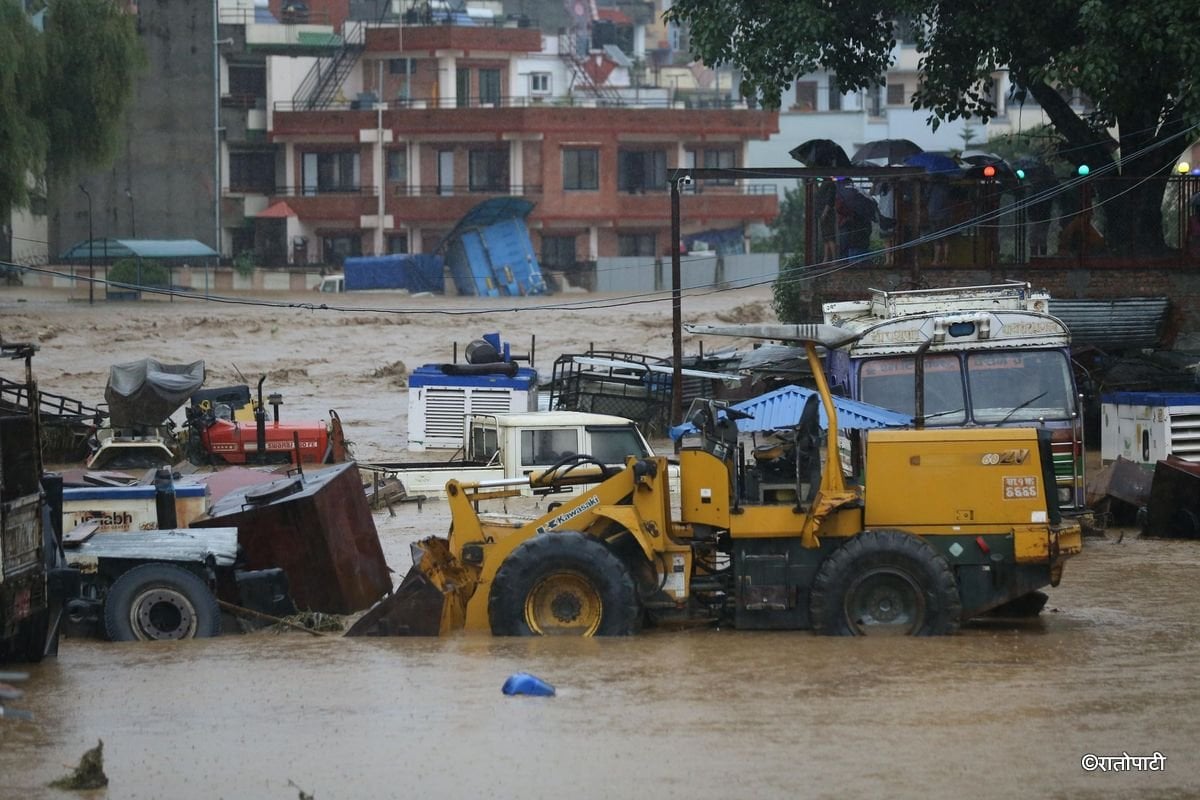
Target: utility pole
91 273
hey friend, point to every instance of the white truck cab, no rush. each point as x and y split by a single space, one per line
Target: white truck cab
332 283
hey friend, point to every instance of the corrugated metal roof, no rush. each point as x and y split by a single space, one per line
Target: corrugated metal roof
781 408
140 248
1122 324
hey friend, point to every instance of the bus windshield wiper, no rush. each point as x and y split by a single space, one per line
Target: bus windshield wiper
1026 404
944 413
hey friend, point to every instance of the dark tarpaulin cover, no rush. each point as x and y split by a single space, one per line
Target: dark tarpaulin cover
146 392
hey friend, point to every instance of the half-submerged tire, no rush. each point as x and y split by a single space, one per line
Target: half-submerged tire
885 582
564 584
160 601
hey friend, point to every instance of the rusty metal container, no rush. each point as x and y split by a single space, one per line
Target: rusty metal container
318 527
1174 508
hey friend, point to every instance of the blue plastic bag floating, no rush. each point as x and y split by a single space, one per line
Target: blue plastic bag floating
524 683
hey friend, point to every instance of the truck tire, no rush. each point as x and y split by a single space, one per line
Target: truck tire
160 601
564 584
885 582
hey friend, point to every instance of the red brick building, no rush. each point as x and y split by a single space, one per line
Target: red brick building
428 120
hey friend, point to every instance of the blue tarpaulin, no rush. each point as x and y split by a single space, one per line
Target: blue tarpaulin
416 273
780 409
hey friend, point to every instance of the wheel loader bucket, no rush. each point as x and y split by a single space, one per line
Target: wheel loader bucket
430 601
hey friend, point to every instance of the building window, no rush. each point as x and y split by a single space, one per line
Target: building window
399 66
581 169
397 166
247 84
252 172
539 83
462 87
806 96
895 94
330 172
835 94
558 252
489 86
875 101
641 170
489 170
636 244
337 248
714 158
397 243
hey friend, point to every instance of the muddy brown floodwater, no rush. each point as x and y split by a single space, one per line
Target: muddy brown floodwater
1000 710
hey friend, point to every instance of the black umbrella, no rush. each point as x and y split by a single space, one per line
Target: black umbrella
889 151
820 153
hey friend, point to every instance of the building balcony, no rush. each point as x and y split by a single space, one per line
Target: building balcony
339 203
475 38
446 205
671 120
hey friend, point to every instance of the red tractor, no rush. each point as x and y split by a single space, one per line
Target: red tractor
227 426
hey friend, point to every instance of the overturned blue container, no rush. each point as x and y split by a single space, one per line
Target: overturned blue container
524 683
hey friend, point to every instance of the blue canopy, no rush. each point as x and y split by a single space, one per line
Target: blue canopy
780 409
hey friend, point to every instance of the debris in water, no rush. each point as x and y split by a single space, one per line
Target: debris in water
524 683
303 794
89 774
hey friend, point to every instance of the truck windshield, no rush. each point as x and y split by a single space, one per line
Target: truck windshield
888 382
1020 386
612 445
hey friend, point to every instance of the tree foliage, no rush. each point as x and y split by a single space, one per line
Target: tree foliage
787 232
1137 62
63 91
22 131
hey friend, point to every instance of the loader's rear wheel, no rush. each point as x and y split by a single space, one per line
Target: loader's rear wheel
885 583
563 584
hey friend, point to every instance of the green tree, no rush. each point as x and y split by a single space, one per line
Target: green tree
787 232
63 92
1138 63
22 130
137 272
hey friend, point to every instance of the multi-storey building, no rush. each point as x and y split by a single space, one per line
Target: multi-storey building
434 117
365 128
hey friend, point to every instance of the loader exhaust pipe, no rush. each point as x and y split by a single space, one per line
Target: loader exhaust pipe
260 424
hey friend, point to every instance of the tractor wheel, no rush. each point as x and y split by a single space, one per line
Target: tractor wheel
563 584
885 582
160 601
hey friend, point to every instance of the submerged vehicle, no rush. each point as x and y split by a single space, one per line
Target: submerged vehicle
834 556
989 356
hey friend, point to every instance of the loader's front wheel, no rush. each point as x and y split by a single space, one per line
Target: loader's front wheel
885 582
563 584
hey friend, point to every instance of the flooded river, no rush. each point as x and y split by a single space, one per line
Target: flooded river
996 711
1005 711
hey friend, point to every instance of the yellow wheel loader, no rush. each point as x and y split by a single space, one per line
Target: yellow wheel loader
943 526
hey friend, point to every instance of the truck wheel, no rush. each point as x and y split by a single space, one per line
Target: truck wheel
564 584
885 582
160 601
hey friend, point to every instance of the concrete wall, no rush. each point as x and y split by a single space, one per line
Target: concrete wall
161 184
